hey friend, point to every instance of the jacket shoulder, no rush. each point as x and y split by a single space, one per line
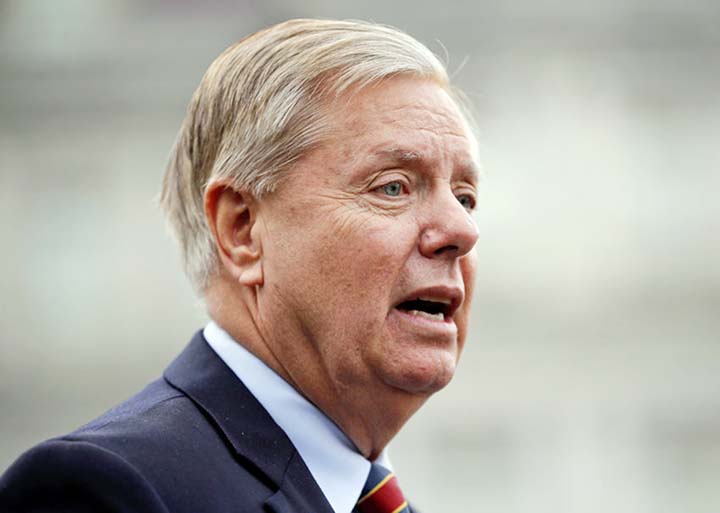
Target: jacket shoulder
157 452
63 476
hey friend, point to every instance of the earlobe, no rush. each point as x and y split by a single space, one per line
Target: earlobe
231 216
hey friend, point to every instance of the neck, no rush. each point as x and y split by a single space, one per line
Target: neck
369 413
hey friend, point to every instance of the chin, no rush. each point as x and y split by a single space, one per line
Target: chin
422 376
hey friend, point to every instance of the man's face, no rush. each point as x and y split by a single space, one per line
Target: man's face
368 246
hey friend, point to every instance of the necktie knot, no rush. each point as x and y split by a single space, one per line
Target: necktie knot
381 493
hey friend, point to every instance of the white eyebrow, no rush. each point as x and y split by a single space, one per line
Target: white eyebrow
470 168
401 154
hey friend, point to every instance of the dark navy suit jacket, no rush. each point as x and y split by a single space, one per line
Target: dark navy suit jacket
195 441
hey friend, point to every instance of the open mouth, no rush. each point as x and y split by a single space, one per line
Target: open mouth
427 308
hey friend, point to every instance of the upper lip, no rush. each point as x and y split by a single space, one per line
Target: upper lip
452 296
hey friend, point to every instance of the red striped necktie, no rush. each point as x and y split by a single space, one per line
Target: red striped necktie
381 493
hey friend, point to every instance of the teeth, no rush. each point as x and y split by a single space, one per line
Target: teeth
435 317
444 301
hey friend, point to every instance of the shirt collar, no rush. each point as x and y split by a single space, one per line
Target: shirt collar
338 469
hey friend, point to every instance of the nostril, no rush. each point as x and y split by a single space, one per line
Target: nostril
446 249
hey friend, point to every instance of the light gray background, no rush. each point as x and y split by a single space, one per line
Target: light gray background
590 381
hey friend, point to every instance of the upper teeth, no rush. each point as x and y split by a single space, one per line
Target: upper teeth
436 300
419 313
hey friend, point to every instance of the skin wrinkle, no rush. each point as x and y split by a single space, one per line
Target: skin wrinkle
339 202
419 183
338 254
253 130
254 314
405 158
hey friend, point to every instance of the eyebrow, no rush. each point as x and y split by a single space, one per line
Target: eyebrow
401 154
405 156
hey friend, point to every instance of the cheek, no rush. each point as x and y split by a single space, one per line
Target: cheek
365 247
342 259
468 266
347 267
360 273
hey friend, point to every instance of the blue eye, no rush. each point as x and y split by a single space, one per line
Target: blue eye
467 201
392 189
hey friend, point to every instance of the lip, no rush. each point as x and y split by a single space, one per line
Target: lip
441 293
430 331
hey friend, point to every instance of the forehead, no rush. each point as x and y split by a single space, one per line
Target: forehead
404 119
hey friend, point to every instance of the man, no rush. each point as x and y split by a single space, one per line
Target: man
321 188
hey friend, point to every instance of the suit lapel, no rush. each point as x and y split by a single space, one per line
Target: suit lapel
298 492
247 427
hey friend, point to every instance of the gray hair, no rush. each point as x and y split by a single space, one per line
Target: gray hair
258 109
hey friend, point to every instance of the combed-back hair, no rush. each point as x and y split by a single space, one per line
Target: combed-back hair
259 106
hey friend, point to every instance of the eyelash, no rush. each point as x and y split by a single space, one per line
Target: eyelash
471 207
404 189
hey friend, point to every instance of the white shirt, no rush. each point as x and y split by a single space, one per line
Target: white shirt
339 470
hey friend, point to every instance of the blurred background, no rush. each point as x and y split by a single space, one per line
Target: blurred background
591 380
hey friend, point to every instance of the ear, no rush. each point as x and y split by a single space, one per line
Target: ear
231 216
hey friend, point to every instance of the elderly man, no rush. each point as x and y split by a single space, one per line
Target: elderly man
321 188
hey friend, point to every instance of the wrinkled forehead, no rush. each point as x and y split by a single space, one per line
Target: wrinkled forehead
406 119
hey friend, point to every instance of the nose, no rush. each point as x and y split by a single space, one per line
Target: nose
450 230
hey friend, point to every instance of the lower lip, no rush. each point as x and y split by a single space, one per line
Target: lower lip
424 325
